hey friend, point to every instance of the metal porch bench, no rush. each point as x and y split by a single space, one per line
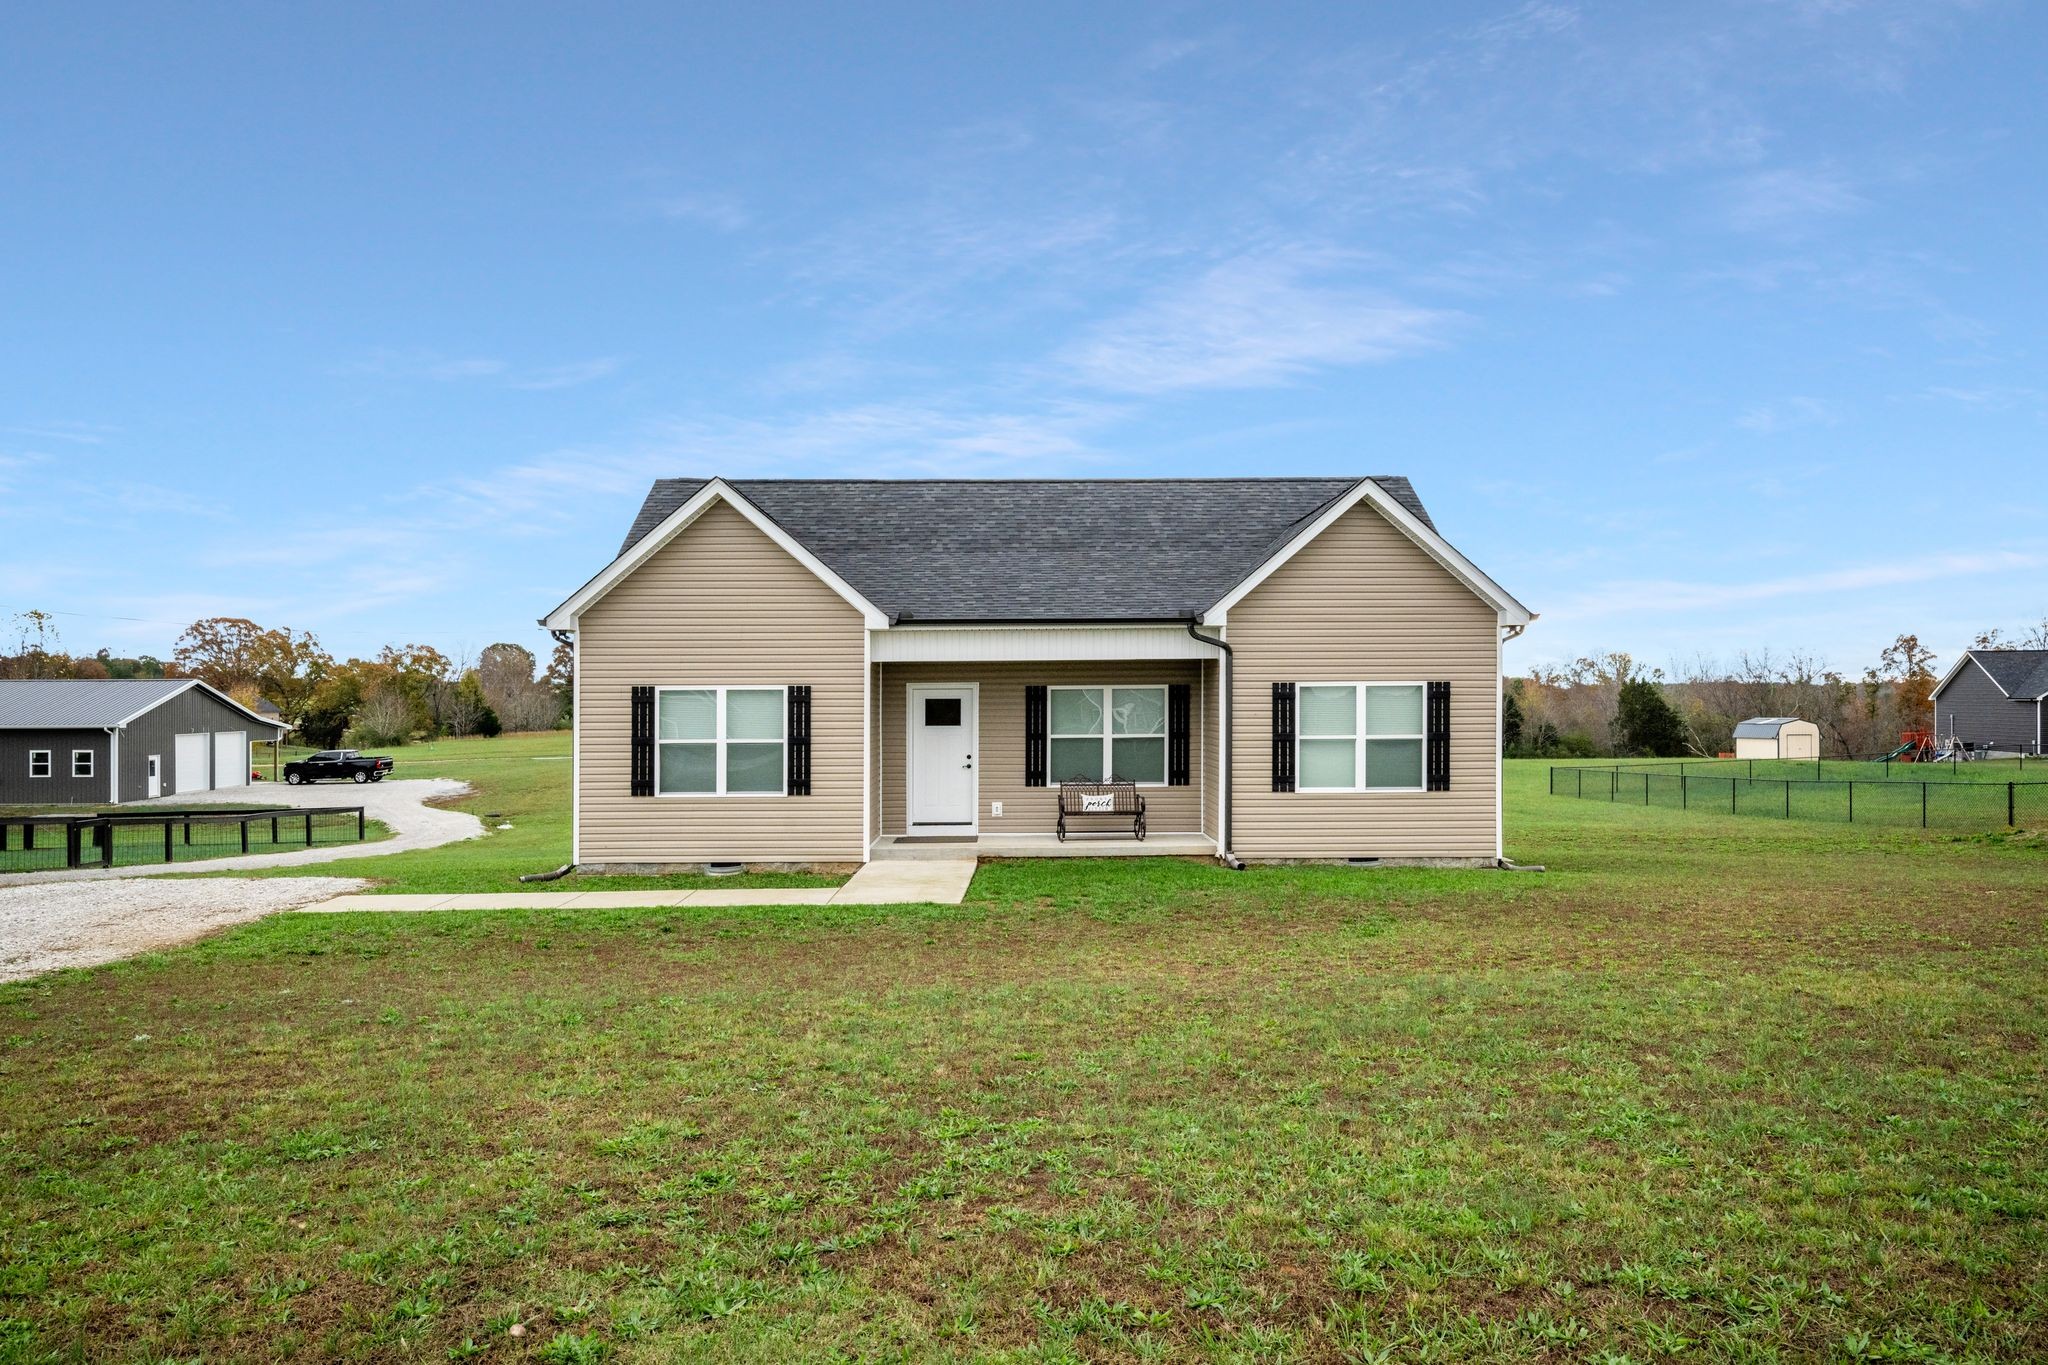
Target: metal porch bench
1081 798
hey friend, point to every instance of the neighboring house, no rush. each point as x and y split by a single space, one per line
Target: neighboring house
824 670
1777 737
1995 699
102 741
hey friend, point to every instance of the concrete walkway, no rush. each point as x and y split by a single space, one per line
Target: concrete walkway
400 805
907 883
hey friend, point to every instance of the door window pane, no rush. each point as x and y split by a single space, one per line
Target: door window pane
688 715
1328 763
1138 760
753 713
1329 711
941 712
1393 711
1393 763
1138 711
689 767
753 767
1073 759
1076 711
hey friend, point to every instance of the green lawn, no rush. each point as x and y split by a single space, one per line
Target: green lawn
1711 1087
521 793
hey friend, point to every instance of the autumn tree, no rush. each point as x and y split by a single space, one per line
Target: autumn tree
1909 667
38 650
236 655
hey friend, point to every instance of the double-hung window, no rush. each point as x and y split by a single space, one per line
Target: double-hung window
1107 732
1359 737
38 762
81 763
721 741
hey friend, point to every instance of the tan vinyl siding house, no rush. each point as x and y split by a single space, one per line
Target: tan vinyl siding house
721 605
809 614
1362 603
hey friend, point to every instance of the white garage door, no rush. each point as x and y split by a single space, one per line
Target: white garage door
231 758
188 766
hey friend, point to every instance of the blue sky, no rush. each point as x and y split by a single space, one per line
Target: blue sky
1702 328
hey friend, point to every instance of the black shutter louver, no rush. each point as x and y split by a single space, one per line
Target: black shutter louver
643 741
1283 737
1438 745
800 740
1179 697
1034 736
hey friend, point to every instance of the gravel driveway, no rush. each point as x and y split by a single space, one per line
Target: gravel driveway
400 805
43 928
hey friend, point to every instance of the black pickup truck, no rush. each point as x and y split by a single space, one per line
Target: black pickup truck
337 763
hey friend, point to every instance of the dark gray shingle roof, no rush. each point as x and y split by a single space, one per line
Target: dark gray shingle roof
80 703
2023 673
1038 549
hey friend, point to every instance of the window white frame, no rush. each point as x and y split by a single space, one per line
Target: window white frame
76 769
1109 735
39 757
720 742
1360 738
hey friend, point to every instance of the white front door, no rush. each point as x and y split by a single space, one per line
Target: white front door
156 776
944 788
188 756
231 758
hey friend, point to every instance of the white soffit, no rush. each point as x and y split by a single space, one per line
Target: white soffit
996 644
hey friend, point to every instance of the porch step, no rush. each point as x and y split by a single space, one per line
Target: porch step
891 848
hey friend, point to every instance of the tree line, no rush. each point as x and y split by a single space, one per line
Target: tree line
1609 705
402 693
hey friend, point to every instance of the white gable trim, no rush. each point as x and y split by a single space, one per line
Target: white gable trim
1957 667
1512 613
212 691
644 549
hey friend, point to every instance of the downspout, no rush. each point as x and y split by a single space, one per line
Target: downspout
567 637
1225 711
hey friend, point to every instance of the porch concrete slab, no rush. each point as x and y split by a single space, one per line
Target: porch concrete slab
890 849
909 882
794 895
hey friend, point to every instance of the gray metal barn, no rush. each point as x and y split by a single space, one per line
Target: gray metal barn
103 741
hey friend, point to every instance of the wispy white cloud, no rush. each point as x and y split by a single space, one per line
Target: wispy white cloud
1788 201
565 376
1252 322
1625 597
437 368
1788 414
71 433
723 212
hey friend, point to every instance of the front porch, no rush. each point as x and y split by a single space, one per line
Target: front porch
968 753
901 848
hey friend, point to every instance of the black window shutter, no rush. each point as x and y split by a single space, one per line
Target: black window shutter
643 741
1034 736
1283 737
799 740
1439 743
1178 697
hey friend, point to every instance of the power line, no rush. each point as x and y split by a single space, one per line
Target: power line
94 616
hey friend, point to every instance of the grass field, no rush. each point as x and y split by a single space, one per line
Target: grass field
1973 796
1711 1087
522 794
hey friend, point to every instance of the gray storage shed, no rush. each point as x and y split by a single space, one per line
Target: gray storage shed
1777 737
103 741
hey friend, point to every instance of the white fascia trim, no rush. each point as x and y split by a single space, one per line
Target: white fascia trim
1512 613
1957 667
211 691
716 491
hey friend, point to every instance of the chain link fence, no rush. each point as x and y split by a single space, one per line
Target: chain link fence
1976 802
33 843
